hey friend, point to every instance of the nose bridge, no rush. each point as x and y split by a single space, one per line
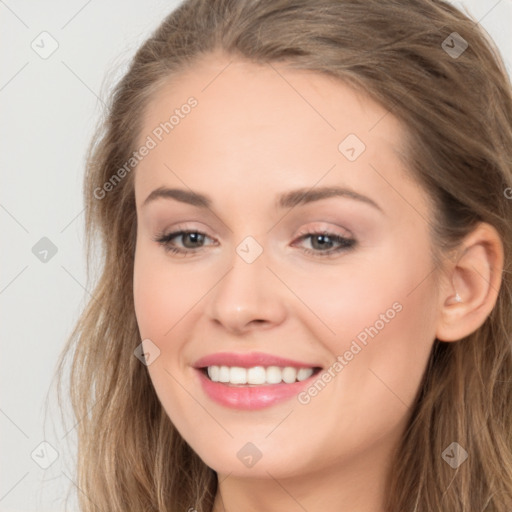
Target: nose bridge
248 291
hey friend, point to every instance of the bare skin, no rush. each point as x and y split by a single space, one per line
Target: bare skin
256 133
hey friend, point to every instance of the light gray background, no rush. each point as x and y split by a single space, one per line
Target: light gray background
49 109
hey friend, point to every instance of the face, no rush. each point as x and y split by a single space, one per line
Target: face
280 240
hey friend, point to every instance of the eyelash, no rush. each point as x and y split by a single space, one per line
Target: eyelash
345 243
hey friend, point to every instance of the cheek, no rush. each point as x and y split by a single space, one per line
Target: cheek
380 314
347 298
164 297
163 293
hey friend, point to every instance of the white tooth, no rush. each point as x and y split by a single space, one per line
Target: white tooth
289 374
256 375
237 375
274 375
213 373
304 373
224 374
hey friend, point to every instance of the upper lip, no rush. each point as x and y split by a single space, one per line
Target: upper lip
248 360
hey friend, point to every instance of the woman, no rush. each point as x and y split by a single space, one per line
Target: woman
305 297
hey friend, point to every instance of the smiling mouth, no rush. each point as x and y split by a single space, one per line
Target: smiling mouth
257 375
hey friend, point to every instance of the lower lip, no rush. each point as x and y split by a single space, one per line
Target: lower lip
249 397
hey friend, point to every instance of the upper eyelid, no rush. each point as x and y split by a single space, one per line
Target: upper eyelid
180 232
330 230
303 232
346 233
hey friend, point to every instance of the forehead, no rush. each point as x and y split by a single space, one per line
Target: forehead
224 86
266 125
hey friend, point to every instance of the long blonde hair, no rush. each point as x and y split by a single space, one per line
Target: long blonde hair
457 110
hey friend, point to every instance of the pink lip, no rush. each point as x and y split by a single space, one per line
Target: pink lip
249 397
248 360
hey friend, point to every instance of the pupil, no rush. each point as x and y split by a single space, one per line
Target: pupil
195 237
323 239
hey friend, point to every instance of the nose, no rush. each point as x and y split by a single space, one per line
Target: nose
247 297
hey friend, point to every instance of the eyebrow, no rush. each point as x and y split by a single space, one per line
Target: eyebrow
290 199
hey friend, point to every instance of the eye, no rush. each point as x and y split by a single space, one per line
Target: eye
190 240
324 243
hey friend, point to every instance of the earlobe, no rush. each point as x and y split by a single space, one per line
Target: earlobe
474 282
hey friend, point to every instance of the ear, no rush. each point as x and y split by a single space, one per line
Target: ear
475 275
